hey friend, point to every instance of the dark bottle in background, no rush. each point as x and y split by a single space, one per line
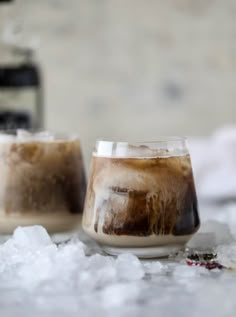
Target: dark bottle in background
21 96
21 102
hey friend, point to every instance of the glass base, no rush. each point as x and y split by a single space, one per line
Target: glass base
145 252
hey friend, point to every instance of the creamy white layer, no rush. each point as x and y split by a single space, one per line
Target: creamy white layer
54 222
136 241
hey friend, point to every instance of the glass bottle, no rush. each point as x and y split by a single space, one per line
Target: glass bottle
21 96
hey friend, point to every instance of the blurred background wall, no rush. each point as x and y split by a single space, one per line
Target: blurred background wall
136 68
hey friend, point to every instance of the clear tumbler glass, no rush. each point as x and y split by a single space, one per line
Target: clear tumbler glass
141 197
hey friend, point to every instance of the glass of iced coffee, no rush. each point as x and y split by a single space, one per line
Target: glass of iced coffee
141 197
42 181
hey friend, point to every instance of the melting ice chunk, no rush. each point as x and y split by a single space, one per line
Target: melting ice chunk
202 241
31 237
98 271
154 267
128 267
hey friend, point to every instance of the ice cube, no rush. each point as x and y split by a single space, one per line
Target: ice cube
72 251
37 267
31 237
99 271
140 151
98 261
24 135
202 241
44 136
154 267
69 261
128 267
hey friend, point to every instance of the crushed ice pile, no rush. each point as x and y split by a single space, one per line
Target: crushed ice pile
40 278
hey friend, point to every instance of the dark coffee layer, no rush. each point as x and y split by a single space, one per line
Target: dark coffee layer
141 197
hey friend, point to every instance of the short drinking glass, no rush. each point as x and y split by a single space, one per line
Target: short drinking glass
141 197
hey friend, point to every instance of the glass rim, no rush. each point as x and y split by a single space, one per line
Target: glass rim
166 146
162 139
37 135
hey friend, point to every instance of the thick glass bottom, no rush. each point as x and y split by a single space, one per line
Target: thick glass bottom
145 252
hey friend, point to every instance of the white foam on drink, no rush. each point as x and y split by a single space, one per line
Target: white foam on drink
43 136
6 138
24 136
